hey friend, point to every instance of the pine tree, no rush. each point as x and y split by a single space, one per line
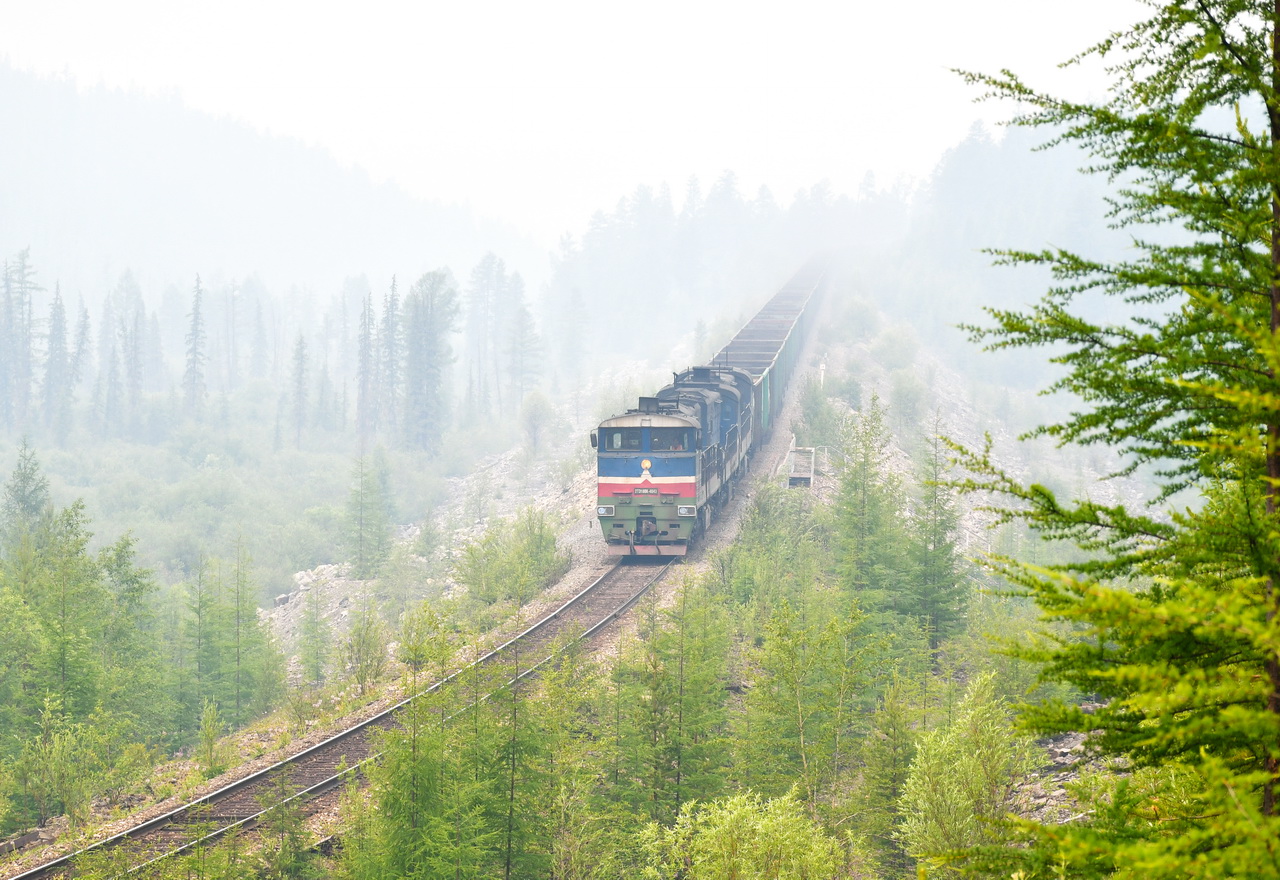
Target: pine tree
962 777
314 640
368 527
113 396
1180 607
366 374
886 754
870 536
20 289
244 634
194 388
364 651
26 500
133 351
936 591
523 346
391 361
430 318
58 383
298 394
70 602
80 354
259 355
485 296
8 347
803 709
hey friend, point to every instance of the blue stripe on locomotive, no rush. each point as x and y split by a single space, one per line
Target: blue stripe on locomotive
661 465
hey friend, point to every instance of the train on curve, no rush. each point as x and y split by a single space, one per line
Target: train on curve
668 465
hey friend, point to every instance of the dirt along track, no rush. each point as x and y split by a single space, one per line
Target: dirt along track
306 777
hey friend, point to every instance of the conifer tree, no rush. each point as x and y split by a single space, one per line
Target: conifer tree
368 527
58 384
962 777
522 343
886 753
936 589
133 350
298 394
802 713
80 354
1180 608
366 374
8 330
20 289
485 298
870 537
26 499
244 634
390 361
194 388
364 651
430 318
315 639
204 633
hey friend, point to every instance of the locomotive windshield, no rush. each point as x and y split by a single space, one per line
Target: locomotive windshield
622 440
671 439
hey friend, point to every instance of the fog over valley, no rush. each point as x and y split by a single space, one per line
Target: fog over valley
680 441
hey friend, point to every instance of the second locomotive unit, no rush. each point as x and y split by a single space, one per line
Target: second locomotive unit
666 466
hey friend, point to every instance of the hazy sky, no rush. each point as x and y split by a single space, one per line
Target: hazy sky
540 112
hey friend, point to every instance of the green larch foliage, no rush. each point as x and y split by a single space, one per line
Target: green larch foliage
513 561
298 386
194 388
885 755
961 778
871 540
809 679
1178 608
742 836
937 590
368 532
26 499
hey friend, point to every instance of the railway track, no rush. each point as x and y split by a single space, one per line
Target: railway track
319 769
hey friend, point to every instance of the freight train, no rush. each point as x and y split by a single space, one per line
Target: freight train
668 465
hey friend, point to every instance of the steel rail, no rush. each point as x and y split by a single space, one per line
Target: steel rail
191 809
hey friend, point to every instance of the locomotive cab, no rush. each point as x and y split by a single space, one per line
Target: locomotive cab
647 477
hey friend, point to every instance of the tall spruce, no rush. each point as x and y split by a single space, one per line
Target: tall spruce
390 360
1179 608
298 392
366 373
368 535
8 321
485 297
430 318
58 382
523 351
936 591
870 533
194 387
20 290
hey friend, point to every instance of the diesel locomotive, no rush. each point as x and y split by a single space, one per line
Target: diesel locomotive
666 467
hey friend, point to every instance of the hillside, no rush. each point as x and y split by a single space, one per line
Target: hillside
99 180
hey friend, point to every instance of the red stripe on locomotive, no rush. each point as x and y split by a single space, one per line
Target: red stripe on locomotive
680 490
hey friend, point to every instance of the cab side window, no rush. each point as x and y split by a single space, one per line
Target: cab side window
670 440
622 440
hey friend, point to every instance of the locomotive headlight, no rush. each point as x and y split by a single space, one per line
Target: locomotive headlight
604 510
686 510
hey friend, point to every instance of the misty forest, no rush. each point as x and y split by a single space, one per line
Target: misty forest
283 448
